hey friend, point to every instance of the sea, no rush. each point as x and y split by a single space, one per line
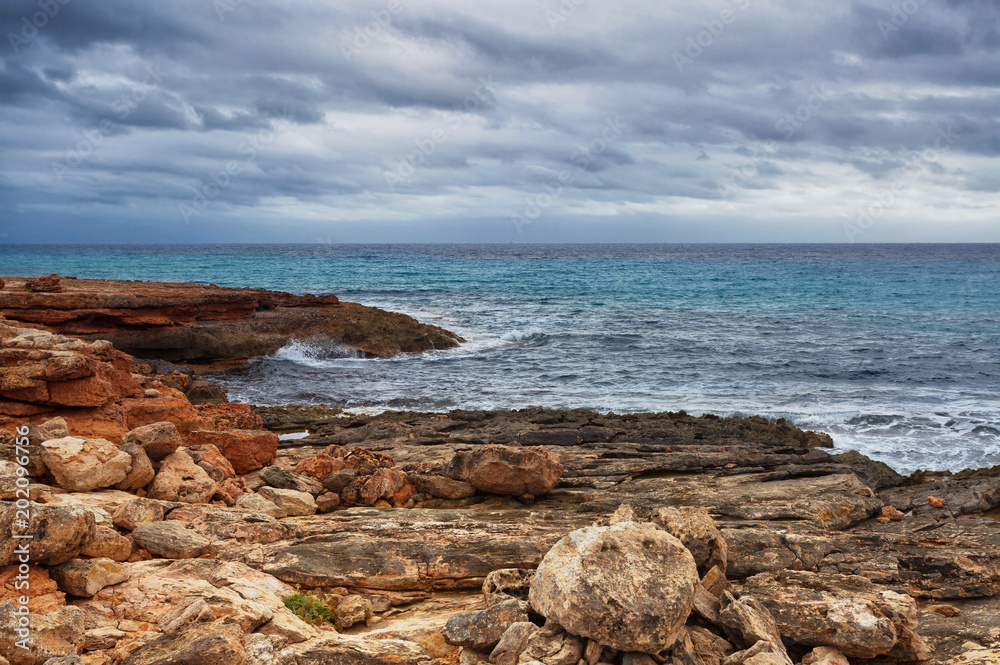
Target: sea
894 350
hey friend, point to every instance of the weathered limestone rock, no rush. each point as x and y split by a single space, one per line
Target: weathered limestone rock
442 487
85 577
277 477
215 642
81 465
344 650
850 613
212 461
292 502
352 610
141 473
513 643
320 466
747 622
185 614
137 512
8 480
506 583
552 645
58 533
246 450
696 529
825 656
327 502
44 596
482 630
170 540
108 544
259 504
51 635
504 470
57 427
158 439
629 586
44 284
180 479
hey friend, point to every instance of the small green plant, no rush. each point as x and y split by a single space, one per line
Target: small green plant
311 607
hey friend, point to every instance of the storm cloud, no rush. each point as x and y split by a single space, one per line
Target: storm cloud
524 120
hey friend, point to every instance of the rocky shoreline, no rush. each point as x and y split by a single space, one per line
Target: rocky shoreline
172 527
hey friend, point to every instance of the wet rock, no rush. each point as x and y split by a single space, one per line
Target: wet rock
482 630
180 479
108 544
850 613
696 529
442 487
81 465
629 586
137 512
504 470
51 635
141 473
258 504
294 503
212 461
246 450
216 642
170 540
58 533
277 477
158 439
85 577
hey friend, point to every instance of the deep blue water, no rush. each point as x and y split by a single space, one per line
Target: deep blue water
892 349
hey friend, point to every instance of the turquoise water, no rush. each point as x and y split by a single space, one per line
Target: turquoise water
892 349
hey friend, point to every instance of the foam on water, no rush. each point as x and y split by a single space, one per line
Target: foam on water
893 350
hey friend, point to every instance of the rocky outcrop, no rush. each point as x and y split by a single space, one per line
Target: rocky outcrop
505 470
80 465
204 323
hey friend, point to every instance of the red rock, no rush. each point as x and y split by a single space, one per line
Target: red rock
246 450
230 415
400 498
44 284
935 502
320 467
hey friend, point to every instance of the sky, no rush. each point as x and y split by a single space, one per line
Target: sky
498 121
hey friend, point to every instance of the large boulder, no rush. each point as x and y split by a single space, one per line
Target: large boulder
158 439
442 487
58 533
107 543
851 613
81 465
180 479
293 503
246 450
136 512
505 470
629 586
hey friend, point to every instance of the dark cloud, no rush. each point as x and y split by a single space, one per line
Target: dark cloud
293 120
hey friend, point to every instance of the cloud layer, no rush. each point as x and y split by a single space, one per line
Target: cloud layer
525 120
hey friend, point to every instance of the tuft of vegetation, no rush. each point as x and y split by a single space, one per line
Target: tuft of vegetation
313 608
